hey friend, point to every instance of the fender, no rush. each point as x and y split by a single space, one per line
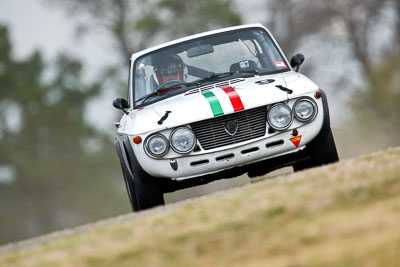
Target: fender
127 156
327 121
325 131
133 162
127 172
123 157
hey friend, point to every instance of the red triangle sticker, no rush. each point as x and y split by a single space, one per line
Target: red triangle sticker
296 140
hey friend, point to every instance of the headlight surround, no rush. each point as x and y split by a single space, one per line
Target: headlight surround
280 117
157 145
182 140
305 109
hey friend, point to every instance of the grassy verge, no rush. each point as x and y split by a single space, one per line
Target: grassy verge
346 214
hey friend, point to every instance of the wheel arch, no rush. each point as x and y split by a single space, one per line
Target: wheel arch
326 125
121 149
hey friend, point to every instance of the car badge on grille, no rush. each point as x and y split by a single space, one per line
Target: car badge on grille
231 127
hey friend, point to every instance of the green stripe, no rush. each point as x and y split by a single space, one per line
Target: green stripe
214 103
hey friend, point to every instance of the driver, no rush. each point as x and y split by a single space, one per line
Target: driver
170 67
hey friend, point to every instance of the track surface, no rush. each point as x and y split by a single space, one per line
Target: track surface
209 191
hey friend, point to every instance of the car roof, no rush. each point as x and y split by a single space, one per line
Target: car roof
194 36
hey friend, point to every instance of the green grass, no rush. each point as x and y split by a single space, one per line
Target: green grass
346 214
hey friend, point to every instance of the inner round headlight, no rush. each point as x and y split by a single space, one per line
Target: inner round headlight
304 109
157 145
280 117
182 140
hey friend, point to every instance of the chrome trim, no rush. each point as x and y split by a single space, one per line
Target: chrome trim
176 150
147 150
291 117
312 103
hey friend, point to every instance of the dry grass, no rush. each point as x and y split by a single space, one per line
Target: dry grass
346 214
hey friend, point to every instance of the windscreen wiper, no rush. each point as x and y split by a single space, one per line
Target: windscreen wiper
161 89
148 96
210 77
228 73
213 76
255 72
145 97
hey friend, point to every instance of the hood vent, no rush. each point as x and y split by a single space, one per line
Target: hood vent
213 86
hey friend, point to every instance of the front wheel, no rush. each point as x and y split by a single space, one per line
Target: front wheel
321 151
143 191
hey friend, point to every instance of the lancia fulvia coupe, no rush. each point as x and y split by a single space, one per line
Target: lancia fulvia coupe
217 105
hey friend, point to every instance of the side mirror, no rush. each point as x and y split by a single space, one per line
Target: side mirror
122 104
296 61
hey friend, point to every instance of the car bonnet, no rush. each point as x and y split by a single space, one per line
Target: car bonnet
199 104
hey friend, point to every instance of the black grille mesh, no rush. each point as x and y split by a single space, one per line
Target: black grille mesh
251 124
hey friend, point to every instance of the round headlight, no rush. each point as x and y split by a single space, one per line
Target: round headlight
157 145
182 140
304 109
280 117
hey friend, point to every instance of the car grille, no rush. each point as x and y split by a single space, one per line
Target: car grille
212 134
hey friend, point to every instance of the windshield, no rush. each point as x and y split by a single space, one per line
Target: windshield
231 54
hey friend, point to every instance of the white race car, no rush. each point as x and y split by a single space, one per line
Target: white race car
217 105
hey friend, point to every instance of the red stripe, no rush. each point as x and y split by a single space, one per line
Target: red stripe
233 97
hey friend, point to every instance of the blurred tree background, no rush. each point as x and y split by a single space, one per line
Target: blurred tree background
63 172
355 45
134 25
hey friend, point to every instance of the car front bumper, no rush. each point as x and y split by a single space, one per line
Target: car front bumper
203 163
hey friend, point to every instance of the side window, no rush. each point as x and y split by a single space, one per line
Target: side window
269 55
143 78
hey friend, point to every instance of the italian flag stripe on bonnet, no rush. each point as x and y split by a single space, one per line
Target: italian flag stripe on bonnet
214 103
233 97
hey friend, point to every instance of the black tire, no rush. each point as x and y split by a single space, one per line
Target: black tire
321 151
129 189
144 191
